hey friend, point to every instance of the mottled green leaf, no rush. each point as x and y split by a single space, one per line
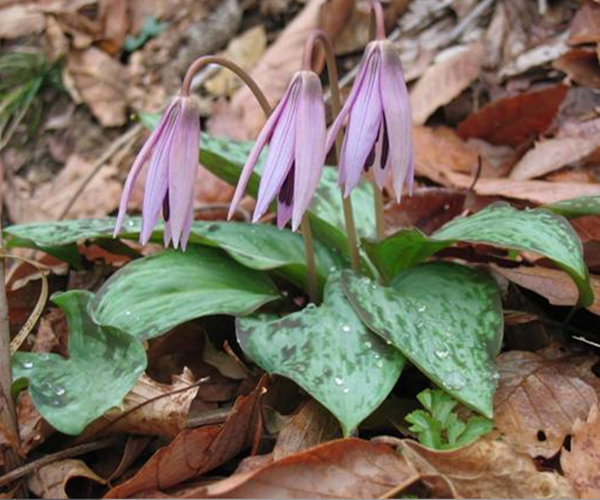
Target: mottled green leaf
501 225
329 352
103 365
576 207
150 296
445 318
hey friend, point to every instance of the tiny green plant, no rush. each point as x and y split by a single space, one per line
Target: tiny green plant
151 28
439 427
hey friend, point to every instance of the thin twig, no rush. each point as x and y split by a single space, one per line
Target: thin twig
73 451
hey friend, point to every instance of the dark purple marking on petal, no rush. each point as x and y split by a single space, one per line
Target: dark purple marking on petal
385 146
166 207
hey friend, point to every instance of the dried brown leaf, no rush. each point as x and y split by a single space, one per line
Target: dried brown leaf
93 77
540 395
346 468
573 143
585 26
515 120
580 464
52 481
21 19
484 469
196 451
33 429
581 66
312 425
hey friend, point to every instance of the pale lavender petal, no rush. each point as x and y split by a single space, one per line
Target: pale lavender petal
284 214
363 126
261 140
187 224
157 180
281 154
396 105
310 145
356 89
139 162
183 166
167 234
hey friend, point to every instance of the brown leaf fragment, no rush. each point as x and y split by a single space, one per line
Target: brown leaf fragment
581 66
553 284
92 76
515 120
484 469
312 425
53 480
573 143
445 80
585 26
195 452
540 395
346 468
21 19
580 464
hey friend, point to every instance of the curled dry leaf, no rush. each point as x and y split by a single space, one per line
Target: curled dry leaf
515 120
553 284
150 409
573 143
445 80
580 464
242 118
346 468
33 429
540 395
483 469
93 77
197 451
52 481
581 66
585 26
312 425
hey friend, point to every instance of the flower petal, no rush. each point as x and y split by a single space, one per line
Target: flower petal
183 166
396 106
310 144
261 140
140 160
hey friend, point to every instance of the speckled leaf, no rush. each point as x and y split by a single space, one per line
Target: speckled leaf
103 365
576 207
445 318
150 296
329 352
501 225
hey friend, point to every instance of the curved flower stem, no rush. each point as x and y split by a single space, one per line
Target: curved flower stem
320 36
196 66
377 32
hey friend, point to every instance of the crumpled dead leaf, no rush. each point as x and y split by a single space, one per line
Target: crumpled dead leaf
573 143
310 426
515 120
483 469
346 468
196 451
21 19
581 66
540 396
93 77
52 480
553 284
585 25
445 80
580 464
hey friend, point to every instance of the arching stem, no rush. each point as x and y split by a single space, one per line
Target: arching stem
197 65
323 39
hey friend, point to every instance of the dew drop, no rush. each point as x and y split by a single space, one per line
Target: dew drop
379 364
388 341
346 390
28 364
56 402
455 381
346 328
368 344
442 353
422 309
59 391
338 380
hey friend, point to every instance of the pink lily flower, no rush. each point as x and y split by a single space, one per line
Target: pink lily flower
379 133
172 153
296 133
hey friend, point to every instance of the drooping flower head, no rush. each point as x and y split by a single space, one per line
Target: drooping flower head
296 134
172 154
379 134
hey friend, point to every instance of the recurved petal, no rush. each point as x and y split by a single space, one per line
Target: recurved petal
396 107
261 140
356 90
310 144
141 159
281 153
183 166
363 126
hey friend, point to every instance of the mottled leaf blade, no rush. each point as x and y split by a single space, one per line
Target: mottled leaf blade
329 352
576 207
150 296
103 365
445 318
